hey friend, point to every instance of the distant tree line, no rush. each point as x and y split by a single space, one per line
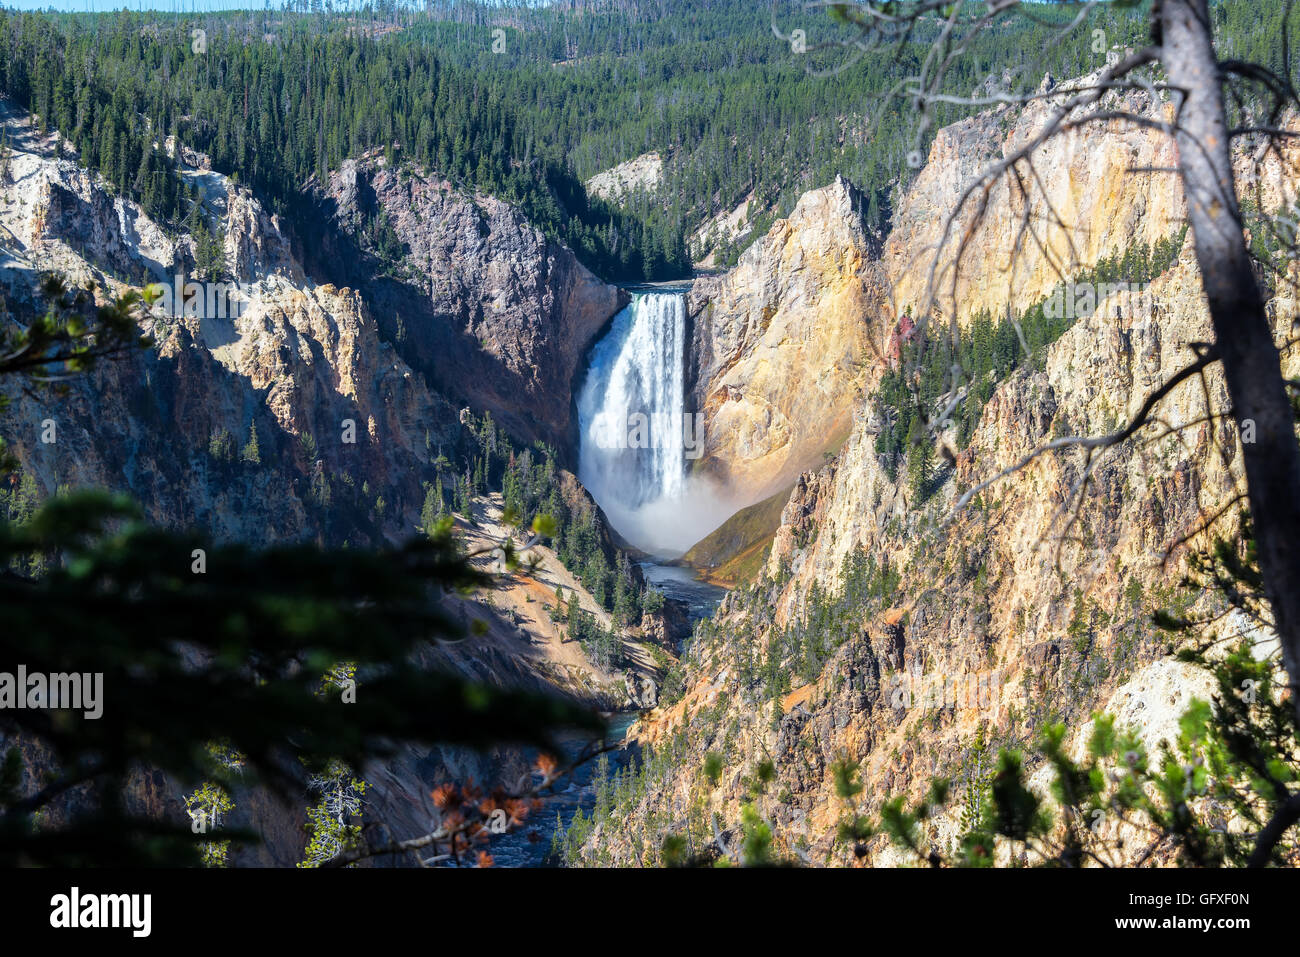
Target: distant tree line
276 98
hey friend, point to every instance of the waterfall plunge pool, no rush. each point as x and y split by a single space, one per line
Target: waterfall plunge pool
636 439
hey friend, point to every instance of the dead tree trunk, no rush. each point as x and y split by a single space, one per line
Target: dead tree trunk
1243 336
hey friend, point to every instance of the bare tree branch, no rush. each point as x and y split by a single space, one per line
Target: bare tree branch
1095 442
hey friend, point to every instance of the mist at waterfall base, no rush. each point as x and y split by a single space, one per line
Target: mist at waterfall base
636 374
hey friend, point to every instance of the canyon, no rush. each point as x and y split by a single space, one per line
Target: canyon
1038 595
341 434
416 304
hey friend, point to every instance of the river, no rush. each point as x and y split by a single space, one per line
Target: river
700 598
530 845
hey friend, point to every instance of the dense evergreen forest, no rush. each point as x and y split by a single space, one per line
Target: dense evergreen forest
521 103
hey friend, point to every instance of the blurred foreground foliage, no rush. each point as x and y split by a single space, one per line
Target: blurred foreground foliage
200 643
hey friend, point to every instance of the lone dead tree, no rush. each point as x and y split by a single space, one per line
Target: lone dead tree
1243 337
1186 82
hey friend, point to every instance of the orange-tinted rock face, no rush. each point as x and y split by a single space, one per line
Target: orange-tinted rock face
788 342
1085 204
780 345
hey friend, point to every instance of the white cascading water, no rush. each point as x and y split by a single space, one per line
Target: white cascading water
632 456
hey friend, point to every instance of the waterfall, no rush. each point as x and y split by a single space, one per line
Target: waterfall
632 456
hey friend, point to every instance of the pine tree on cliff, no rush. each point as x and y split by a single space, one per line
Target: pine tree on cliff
920 464
431 511
574 617
250 453
464 497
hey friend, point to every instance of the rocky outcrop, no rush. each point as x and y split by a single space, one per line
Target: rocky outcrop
1095 191
724 228
780 342
475 296
303 365
669 627
788 342
639 173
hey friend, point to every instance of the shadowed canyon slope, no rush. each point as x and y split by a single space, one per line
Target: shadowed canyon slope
300 359
502 320
472 293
